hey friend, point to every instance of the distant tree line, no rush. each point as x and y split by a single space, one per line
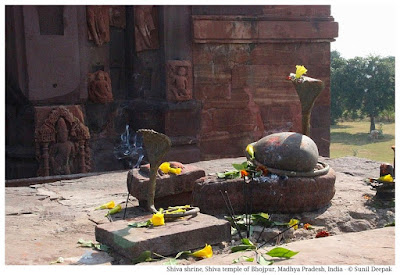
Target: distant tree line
362 87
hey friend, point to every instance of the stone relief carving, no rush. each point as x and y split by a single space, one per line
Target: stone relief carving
62 144
146 33
99 87
179 80
118 17
98 20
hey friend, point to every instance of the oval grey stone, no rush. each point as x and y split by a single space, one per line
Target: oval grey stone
287 151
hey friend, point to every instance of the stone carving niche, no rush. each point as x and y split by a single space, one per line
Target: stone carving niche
61 141
179 80
100 90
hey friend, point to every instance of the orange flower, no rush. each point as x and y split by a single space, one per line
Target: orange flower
244 173
307 226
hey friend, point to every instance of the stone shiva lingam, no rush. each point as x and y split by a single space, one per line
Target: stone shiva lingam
282 169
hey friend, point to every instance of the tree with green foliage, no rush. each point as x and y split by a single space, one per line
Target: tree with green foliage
361 86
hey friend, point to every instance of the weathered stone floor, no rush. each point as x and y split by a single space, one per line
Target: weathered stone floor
45 221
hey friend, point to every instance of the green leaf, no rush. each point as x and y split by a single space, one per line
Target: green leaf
263 219
186 252
248 259
140 224
262 261
279 223
390 224
242 166
242 247
281 253
84 243
171 261
229 174
59 260
221 175
145 256
246 241
101 247
234 231
235 261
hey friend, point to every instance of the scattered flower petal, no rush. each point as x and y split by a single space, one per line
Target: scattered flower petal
157 219
294 223
300 70
206 252
322 234
108 205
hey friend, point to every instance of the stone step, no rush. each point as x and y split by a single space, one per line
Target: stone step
188 233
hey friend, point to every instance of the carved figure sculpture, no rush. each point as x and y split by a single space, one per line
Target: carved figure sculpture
100 90
179 84
62 152
146 36
157 146
98 20
62 144
118 17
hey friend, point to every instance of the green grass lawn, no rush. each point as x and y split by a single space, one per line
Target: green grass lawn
351 139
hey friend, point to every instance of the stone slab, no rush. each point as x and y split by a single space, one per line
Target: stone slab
166 185
188 233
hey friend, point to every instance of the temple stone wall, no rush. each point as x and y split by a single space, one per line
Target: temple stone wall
212 78
240 68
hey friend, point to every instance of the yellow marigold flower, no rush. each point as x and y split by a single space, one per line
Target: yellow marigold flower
157 219
115 210
164 167
108 205
387 178
206 252
300 70
175 171
293 222
250 150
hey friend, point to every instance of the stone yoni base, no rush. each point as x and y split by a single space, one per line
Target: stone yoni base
291 195
188 233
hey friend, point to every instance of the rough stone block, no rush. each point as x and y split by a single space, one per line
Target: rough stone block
167 186
169 239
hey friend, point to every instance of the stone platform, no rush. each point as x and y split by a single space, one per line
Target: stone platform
288 195
188 233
